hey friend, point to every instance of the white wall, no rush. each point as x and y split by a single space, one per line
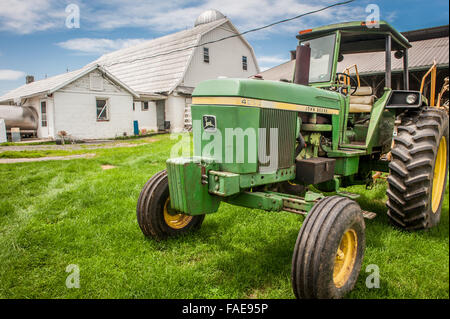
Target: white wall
146 119
76 114
175 112
225 58
75 110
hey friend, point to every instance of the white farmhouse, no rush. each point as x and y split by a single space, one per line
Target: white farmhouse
147 86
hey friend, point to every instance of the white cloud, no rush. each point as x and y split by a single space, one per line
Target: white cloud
175 15
11 75
98 46
168 16
29 16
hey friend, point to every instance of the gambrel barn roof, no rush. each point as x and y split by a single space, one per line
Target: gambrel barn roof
150 68
157 65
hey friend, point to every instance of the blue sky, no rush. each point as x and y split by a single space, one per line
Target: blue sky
34 38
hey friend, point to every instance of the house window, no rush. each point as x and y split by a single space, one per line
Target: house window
43 113
244 63
144 106
206 55
102 109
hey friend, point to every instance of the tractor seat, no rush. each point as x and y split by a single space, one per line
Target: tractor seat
362 100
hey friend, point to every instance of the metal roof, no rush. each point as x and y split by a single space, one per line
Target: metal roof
155 66
421 56
150 67
54 83
209 16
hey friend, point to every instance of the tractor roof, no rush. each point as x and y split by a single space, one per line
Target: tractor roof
358 37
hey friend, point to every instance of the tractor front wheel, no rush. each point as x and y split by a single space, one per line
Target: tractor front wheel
155 218
329 250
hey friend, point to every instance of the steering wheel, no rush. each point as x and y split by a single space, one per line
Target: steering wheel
353 83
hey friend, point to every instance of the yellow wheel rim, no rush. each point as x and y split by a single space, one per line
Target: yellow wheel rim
345 258
175 221
439 175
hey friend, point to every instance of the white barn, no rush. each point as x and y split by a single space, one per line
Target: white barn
148 85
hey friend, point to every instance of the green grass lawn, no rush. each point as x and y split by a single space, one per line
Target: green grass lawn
57 213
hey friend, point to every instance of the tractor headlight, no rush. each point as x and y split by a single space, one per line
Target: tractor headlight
411 98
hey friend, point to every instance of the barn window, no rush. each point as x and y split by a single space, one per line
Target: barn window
102 109
206 55
144 106
43 113
244 63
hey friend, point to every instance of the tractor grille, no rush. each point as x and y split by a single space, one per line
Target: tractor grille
285 122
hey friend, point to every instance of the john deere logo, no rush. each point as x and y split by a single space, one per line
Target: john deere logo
209 123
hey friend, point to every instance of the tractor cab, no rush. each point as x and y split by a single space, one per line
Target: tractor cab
330 44
322 54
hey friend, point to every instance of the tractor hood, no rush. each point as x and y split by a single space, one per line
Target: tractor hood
260 91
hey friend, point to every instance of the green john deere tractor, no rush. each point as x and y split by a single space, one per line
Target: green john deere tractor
261 144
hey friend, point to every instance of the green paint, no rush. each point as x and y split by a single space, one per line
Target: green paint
224 183
187 192
346 166
356 27
260 200
375 119
229 120
269 90
281 175
231 178
317 127
272 201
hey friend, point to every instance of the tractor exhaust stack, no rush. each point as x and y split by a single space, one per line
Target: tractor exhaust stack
302 62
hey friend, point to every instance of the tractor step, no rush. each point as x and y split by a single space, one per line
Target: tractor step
368 215
348 195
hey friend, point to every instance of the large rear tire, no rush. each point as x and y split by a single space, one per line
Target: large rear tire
418 170
329 250
154 215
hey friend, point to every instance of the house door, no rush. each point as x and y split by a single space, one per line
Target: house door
160 114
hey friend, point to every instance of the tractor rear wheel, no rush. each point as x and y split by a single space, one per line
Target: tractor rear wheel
418 170
154 215
329 250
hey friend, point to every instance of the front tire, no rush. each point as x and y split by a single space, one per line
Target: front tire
329 250
153 212
418 170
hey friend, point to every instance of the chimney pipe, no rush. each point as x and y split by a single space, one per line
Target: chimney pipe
302 61
29 79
